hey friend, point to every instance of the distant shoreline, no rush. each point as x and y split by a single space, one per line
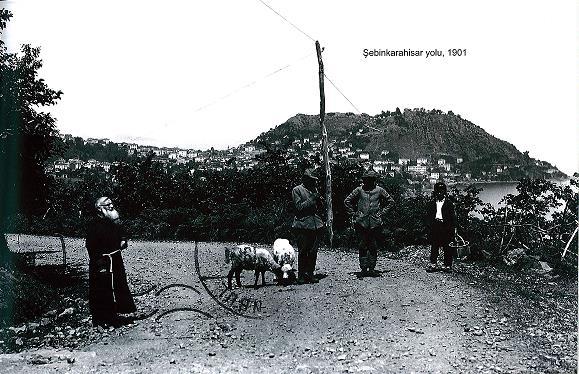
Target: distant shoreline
462 183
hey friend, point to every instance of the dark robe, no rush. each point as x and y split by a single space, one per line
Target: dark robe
104 236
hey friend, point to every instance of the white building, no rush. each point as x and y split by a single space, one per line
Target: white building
403 161
364 156
418 169
422 161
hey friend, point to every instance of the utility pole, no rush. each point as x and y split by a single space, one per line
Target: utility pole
328 179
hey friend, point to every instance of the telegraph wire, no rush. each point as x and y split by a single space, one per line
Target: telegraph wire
288 21
350 101
247 85
341 93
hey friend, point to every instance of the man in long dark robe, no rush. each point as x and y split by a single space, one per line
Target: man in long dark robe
109 293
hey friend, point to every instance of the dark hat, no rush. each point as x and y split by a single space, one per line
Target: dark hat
440 187
370 174
309 173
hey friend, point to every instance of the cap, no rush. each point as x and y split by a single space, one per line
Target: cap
370 174
310 174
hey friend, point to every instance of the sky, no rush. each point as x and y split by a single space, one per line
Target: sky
201 74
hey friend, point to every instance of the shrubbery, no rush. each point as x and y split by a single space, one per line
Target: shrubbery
255 206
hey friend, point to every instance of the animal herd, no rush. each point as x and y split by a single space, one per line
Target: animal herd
279 261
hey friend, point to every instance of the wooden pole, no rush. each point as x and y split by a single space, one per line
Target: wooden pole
329 213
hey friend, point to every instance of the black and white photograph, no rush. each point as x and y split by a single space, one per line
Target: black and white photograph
269 186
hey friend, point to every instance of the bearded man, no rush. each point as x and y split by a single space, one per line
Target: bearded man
109 292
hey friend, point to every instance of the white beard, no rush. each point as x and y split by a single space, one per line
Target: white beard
113 215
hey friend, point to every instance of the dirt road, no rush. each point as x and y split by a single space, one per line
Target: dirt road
406 320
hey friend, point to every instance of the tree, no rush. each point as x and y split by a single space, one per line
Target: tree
27 134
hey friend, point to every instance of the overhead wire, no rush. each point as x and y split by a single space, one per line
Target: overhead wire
247 85
350 101
285 67
288 21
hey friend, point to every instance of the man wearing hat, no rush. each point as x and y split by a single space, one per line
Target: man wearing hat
367 204
307 225
108 289
441 223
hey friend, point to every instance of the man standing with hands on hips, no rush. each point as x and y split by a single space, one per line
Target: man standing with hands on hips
366 205
307 225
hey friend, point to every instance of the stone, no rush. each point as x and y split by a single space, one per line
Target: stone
66 312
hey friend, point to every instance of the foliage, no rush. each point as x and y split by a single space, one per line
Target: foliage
27 134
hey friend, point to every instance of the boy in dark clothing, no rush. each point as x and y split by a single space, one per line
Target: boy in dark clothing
441 222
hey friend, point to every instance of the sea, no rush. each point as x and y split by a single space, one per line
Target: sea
493 192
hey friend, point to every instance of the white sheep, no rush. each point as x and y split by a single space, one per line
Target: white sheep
285 255
246 257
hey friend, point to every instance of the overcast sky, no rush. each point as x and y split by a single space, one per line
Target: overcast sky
140 70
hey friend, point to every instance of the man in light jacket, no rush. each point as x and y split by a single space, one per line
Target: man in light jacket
307 225
367 204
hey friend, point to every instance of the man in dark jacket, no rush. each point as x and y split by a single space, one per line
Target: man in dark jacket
307 225
441 223
108 289
367 204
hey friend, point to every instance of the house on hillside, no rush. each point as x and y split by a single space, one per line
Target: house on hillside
90 164
60 165
379 168
75 164
417 169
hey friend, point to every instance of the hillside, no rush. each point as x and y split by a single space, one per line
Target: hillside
411 134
